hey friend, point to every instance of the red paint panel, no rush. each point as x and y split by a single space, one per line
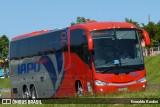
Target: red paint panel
30 34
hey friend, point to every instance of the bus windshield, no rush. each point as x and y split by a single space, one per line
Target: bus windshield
117 49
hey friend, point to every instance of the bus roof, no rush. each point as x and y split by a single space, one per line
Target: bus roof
90 26
30 34
93 25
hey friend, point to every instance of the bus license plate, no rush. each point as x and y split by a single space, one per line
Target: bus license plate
123 89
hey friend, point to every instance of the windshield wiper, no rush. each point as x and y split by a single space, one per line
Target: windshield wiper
107 69
121 69
110 66
134 68
117 70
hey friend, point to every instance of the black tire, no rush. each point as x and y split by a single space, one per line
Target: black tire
33 93
79 89
26 93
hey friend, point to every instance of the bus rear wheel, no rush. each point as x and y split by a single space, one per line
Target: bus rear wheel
25 92
33 93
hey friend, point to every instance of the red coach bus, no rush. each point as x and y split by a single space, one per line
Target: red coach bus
94 57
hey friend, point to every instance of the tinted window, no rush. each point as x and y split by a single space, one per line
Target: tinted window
13 50
115 49
49 43
78 41
23 48
36 45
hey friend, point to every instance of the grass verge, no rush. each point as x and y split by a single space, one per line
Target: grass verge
4 82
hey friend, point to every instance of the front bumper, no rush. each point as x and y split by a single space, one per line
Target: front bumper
116 87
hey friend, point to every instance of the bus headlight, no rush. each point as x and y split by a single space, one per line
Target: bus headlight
100 83
142 80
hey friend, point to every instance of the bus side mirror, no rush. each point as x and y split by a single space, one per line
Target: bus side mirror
146 37
90 42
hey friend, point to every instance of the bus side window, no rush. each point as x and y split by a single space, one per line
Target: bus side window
13 51
40 53
47 52
87 56
49 48
64 46
79 44
56 47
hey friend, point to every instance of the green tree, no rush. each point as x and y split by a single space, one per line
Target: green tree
4 47
154 32
152 29
133 22
80 20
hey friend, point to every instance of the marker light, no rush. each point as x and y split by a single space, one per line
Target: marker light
100 83
142 80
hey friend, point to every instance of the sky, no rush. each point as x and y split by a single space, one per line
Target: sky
19 17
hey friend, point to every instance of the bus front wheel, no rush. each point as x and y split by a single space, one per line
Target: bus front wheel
79 89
